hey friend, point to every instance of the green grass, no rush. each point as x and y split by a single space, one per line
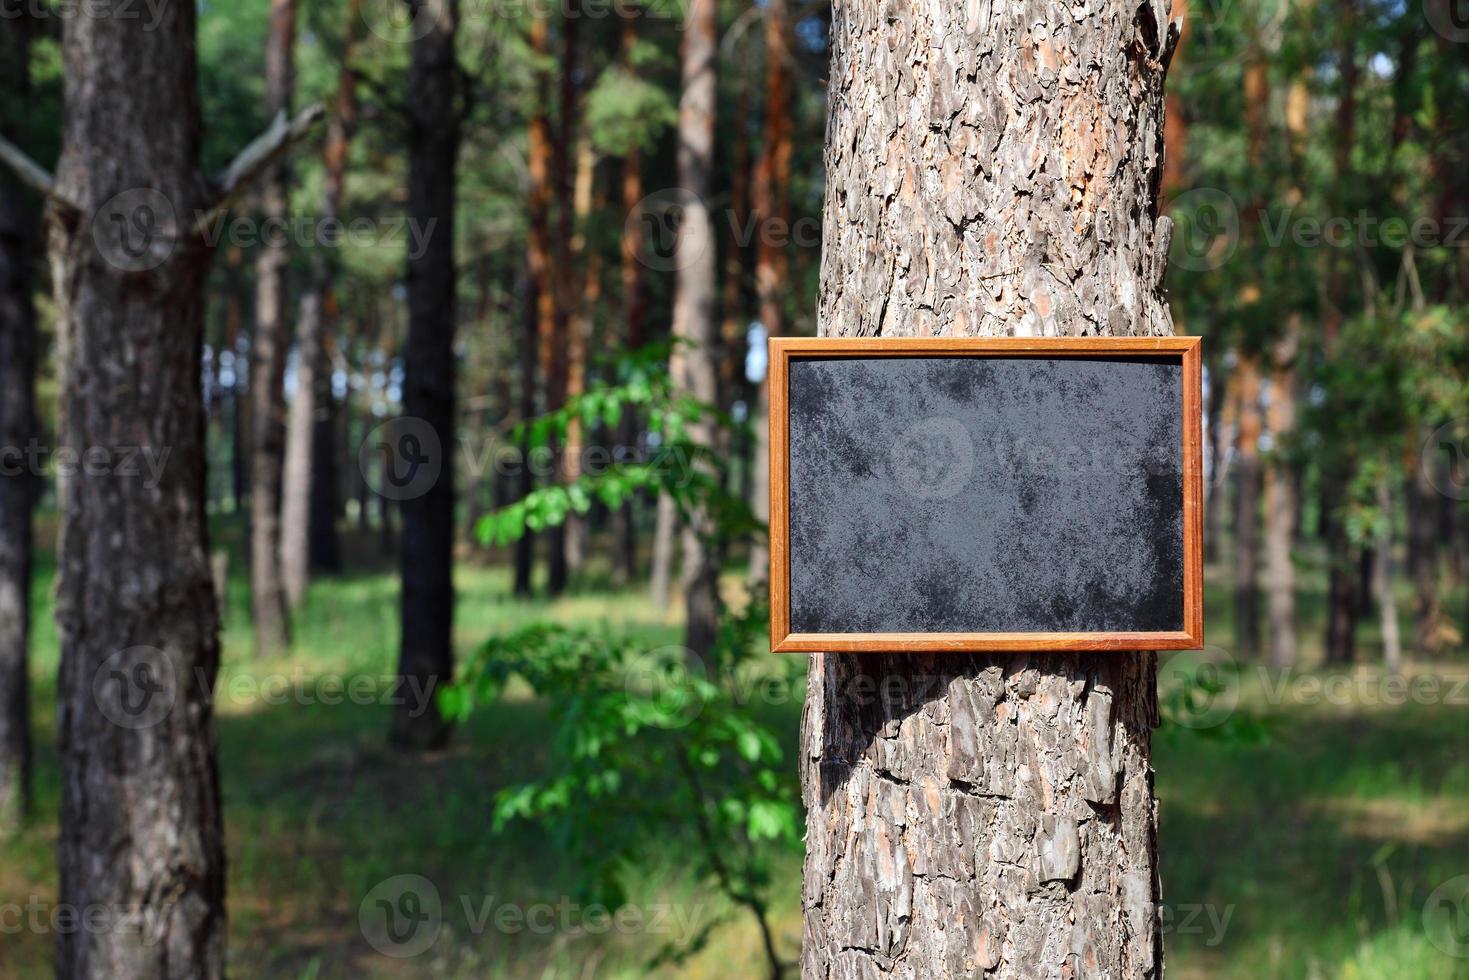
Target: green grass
1321 845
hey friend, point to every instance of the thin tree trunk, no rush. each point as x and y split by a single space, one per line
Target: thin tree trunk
18 485
1247 509
426 654
140 806
550 325
525 547
772 207
1221 383
624 522
1280 499
1424 557
695 319
1387 603
579 328
239 398
665 534
305 509
268 360
987 814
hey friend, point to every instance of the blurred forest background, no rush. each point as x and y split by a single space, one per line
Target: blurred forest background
580 803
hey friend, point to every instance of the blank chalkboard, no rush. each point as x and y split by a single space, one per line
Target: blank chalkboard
967 494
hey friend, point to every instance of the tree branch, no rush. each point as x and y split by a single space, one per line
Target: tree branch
261 152
32 174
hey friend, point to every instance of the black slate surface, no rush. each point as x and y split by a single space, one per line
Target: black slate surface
983 494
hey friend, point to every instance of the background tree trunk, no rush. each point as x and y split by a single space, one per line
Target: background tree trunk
772 208
987 813
140 804
18 485
426 654
268 359
308 517
695 319
624 524
1247 509
1382 584
1280 500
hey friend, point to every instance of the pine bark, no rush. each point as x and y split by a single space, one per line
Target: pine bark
695 317
140 805
18 485
990 172
308 514
268 359
426 651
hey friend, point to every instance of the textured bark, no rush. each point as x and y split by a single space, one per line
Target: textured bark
695 319
308 518
426 652
990 172
772 206
1280 500
18 485
268 360
140 806
1247 509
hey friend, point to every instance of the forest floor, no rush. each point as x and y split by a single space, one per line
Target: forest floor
1312 824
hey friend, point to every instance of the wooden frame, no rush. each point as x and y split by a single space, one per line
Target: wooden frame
783 349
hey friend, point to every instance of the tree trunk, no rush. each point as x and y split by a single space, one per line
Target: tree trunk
1382 584
695 319
665 534
525 547
544 280
426 654
987 814
18 485
1423 556
268 360
1220 384
1280 500
239 400
624 521
1247 509
578 335
307 516
772 207
140 805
